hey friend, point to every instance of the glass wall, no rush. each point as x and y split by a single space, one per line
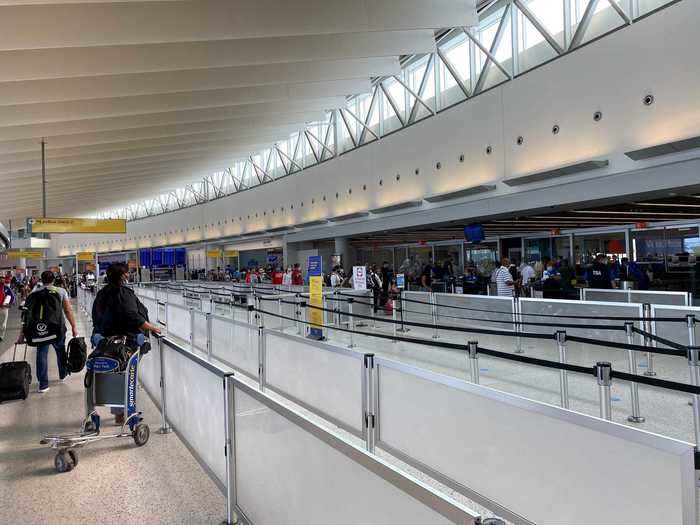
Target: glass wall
482 257
451 253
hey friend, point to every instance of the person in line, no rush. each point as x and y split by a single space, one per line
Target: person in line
600 276
527 274
7 299
505 285
42 351
116 311
297 278
336 277
426 278
287 277
375 284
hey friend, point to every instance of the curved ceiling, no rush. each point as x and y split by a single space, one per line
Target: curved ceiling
134 98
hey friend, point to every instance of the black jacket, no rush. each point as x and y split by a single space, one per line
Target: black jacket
117 311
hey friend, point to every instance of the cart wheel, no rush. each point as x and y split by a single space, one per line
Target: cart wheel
63 462
74 457
141 434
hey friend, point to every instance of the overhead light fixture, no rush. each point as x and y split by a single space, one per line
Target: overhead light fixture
439 197
279 229
668 148
347 217
396 207
318 222
571 169
250 234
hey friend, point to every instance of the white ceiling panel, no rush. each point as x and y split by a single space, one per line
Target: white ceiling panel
139 97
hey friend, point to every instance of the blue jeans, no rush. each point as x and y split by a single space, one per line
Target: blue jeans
42 362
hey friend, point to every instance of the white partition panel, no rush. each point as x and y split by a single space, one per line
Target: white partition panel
592 315
419 311
236 344
291 472
152 307
637 296
673 330
178 321
194 398
324 378
543 463
475 310
176 298
200 331
149 371
240 313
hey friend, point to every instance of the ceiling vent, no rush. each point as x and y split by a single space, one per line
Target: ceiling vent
558 172
664 149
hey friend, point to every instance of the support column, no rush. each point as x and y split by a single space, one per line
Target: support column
346 252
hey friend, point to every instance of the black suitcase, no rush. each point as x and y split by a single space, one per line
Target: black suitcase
15 378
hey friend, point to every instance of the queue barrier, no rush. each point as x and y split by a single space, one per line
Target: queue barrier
277 466
408 407
659 297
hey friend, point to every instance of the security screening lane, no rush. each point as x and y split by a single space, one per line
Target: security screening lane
116 481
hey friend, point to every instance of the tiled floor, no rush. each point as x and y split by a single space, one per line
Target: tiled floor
115 481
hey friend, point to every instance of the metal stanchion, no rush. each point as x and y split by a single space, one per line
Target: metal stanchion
694 364
402 300
351 323
258 315
230 451
634 387
297 313
279 313
473 347
164 427
303 317
210 331
261 358
393 318
517 327
563 374
433 313
369 393
603 374
646 314
192 329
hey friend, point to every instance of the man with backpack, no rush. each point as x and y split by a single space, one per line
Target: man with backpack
44 324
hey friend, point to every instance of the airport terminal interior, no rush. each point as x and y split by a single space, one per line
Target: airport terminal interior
313 262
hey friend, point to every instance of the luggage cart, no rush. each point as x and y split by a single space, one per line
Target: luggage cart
112 388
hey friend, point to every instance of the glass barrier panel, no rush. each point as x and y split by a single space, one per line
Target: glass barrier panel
178 321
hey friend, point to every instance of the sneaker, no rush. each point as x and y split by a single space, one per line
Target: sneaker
43 390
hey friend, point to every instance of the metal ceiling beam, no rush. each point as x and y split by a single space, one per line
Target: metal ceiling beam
494 48
583 24
525 10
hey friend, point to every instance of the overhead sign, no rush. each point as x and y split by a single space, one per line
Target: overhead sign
214 253
85 256
66 225
359 277
315 296
25 254
231 253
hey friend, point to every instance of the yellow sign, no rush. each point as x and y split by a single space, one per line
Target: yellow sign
58 225
86 256
316 299
230 253
213 253
27 254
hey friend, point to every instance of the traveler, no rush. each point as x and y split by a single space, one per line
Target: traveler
297 279
426 278
527 274
48 298
287 277
116 311
504 280
336 278
7 299
375 284
599 275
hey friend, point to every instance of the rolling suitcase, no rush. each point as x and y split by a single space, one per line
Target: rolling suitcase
15 378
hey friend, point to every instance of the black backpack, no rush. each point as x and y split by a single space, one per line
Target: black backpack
42 319
77 355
